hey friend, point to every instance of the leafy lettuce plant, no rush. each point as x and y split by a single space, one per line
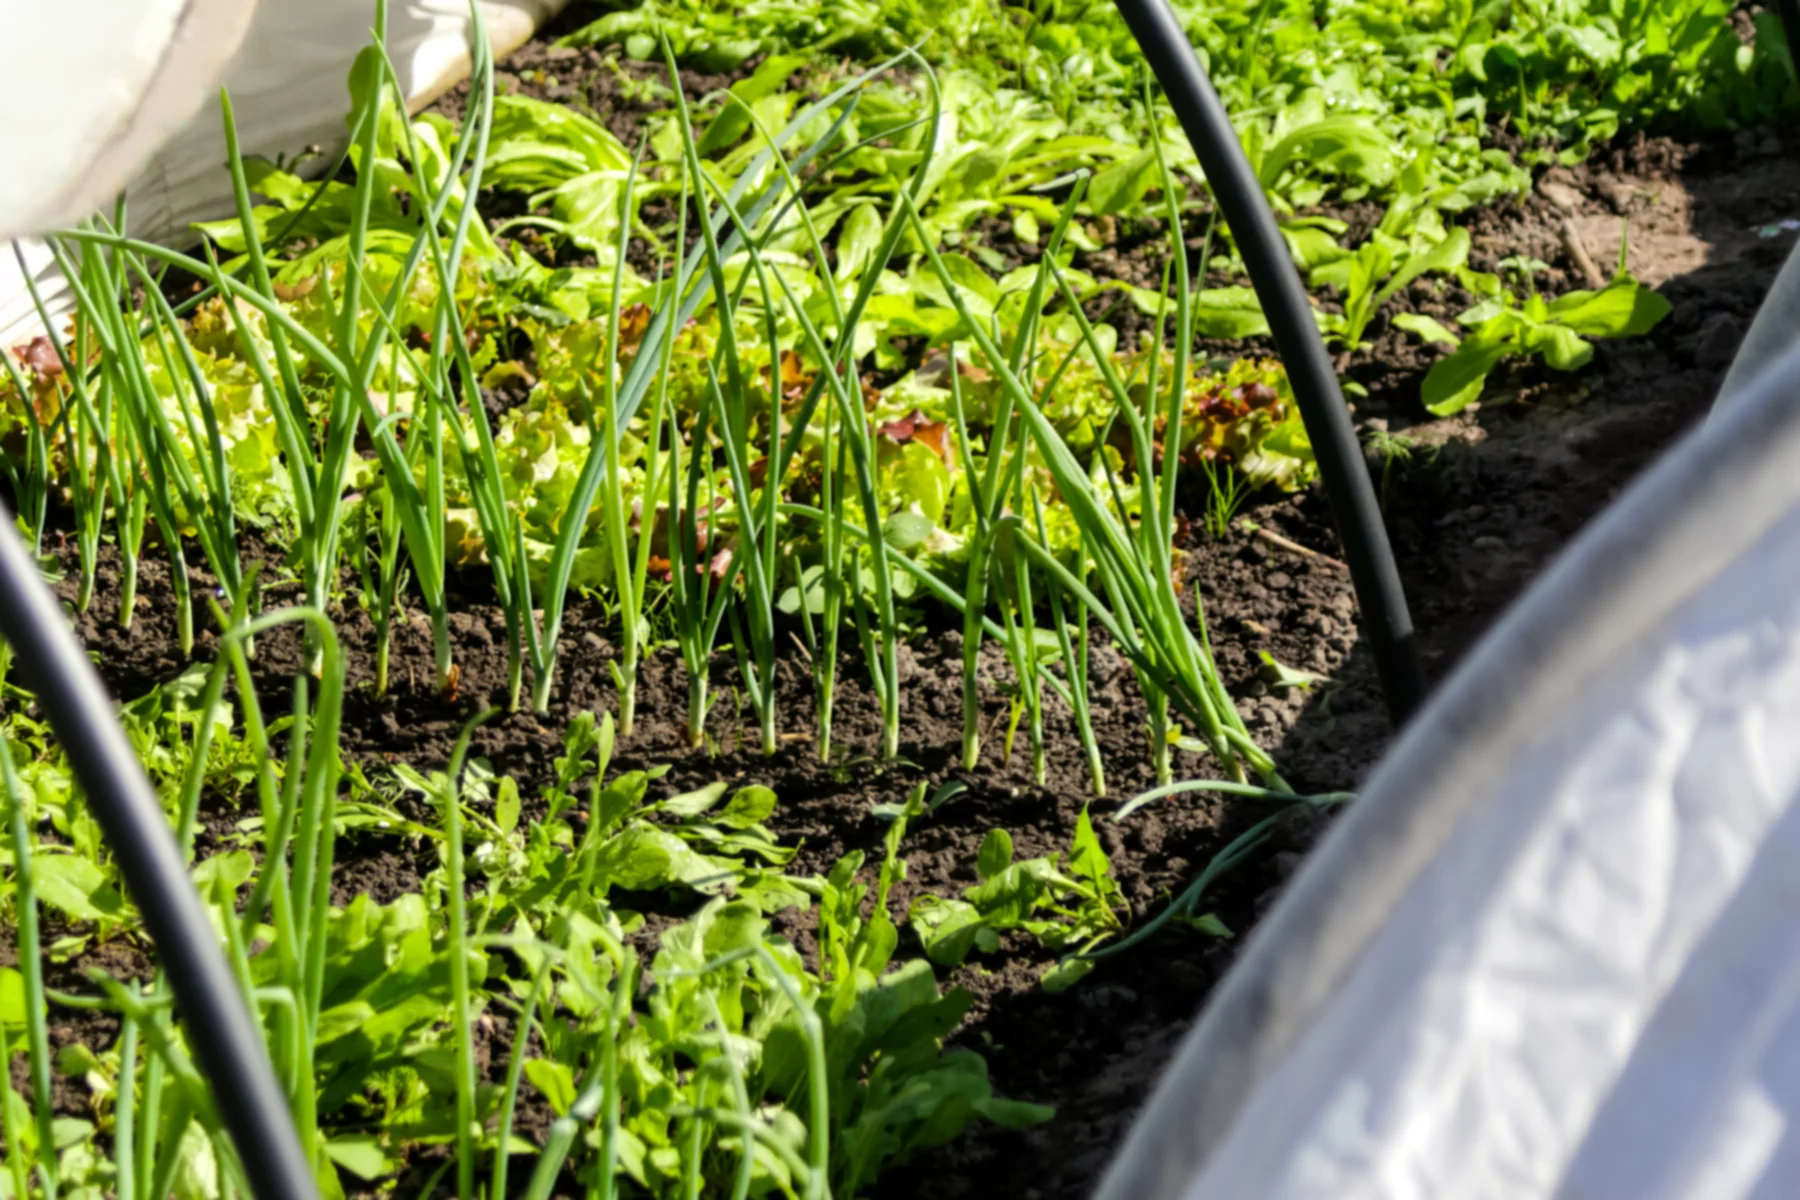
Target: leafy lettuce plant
1557 331
567 161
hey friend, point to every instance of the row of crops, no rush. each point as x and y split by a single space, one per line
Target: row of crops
814 359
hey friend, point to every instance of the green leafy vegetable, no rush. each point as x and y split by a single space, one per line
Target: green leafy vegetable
1555 330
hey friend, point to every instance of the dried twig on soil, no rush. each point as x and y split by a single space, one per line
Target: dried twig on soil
1567 200
1571 237
1293 547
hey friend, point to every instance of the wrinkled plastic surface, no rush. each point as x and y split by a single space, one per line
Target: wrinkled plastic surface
1550 951
90 90
288 92
1593 989
1775 327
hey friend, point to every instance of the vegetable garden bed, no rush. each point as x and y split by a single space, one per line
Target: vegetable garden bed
742 839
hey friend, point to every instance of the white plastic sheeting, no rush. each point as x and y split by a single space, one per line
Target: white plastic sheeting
1592 990
288 91
1551 953
90 91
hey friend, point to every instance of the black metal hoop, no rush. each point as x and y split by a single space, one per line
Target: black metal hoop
220 1027
1346 480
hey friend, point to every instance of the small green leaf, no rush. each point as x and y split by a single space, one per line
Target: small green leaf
1283 677
69 1131
506 805
1623 308
844 870
348 1018
1446 256
1345 144
996 853
733 121
1455 382
773 892
1311 247
692 804
602 742
617 800
75 1059
231 870
1014 1114
977 287
857 240
946 928
1087 858
1209 923
1123 184
1007 898
555 1081
737 925
365 77
1063 975
1426 328
749 806
1229 312
74 886
361 1155
12 997
905 530
978 169
1562 348
1484 312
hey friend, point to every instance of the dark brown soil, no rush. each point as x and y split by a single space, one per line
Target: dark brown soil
1484 500
121 957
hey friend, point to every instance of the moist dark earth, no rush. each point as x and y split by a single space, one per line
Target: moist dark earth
1476 506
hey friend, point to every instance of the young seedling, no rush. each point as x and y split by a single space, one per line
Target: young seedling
200 493
697 592
1075 656
30 481
690 288
31 971
630 564
1144 615
93 460
836 454
988 489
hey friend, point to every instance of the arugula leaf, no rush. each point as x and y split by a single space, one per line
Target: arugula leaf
692 804
1077 909
1347 145
748 807
1229 312
996 854
76 887
1426 328
947 929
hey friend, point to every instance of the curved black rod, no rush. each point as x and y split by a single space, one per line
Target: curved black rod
1340 458
220 1028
